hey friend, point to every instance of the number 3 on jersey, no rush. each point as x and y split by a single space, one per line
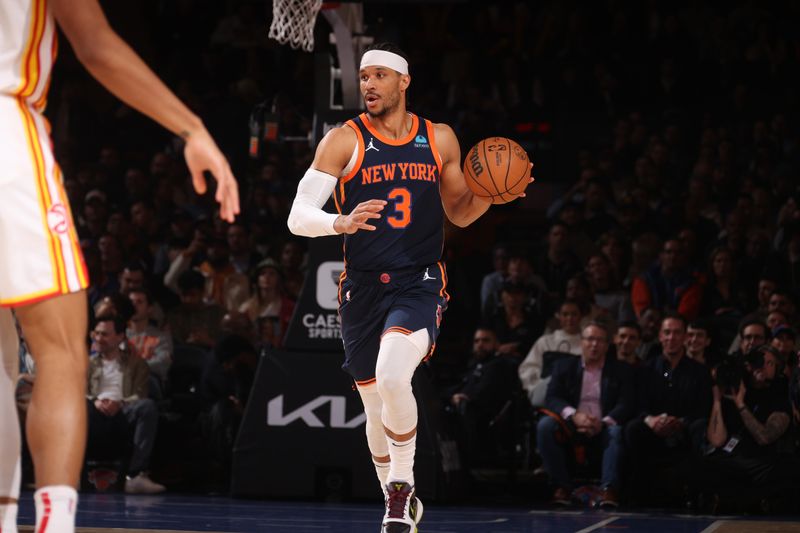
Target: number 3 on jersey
402 208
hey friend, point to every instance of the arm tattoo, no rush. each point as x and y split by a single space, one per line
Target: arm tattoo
770 431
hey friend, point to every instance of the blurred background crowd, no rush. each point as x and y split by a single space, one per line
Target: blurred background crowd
667 152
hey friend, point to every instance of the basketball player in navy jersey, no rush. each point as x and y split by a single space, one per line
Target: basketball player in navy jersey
394 176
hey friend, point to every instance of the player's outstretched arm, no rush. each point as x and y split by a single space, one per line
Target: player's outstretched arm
307 218
461 206
115 65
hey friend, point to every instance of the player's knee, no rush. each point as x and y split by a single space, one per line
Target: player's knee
392 386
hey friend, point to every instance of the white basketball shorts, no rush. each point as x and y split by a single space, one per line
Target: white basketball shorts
40 256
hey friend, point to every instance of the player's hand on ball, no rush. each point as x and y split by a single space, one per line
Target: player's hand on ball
360 217
531 180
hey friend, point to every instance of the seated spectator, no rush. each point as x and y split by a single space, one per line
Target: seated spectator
766 286
753 332
292 265
192 321
580 290
749 416
492 283
783 300
486 385
627 341
226 384
566 339
558 263
132 277
116 304
520 272
268 298
722 294
784 340
649 323
223 286
118 403
775 319
515 325
674 399
589 398
242 256
608 293
698 344
667 285
148 342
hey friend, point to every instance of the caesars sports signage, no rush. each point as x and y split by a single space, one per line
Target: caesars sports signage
315 324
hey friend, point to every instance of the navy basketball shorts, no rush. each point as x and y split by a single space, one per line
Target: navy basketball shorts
372 304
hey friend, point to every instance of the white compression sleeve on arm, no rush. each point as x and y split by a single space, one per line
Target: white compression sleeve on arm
307 218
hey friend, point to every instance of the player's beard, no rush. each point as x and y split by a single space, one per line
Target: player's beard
390 105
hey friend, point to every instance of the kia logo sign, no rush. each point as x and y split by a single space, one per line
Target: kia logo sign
307 413
328 284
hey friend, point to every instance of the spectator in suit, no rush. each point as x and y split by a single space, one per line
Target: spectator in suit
589 399
674 398
118 402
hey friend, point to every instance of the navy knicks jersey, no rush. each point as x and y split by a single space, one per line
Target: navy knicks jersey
404 172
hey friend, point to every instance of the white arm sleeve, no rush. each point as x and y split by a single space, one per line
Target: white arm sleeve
307 218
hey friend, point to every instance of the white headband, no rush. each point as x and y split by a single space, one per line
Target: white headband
382 58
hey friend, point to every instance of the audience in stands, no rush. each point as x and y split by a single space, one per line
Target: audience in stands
589 398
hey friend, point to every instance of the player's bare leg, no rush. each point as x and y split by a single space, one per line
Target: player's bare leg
55 330
9 424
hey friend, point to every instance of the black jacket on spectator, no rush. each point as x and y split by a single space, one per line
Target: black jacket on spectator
683 392
617 393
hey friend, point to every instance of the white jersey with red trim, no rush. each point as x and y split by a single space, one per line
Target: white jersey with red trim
40 256
28 47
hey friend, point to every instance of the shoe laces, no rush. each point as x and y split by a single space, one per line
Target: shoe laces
396 501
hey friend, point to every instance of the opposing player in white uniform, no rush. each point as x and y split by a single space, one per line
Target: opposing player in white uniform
42 274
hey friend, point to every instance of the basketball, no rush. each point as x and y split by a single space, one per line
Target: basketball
497 169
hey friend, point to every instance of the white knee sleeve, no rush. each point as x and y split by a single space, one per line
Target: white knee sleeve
376 437
398 358
9 423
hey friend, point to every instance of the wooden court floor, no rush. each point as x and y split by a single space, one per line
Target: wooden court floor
173 513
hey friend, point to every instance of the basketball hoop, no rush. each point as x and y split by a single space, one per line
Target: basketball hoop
293 22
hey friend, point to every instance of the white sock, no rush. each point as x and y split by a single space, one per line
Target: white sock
8 518
55 509
382 471
401 466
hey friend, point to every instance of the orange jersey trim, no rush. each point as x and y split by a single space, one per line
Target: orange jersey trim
342 277
31 298
392 142
366 382
359 160
30 63
80 264
397 329
443 291
432 139
41 103
37 158
430 353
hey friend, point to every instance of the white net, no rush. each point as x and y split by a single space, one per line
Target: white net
293 22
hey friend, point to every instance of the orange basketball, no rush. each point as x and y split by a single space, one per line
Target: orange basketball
497 169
